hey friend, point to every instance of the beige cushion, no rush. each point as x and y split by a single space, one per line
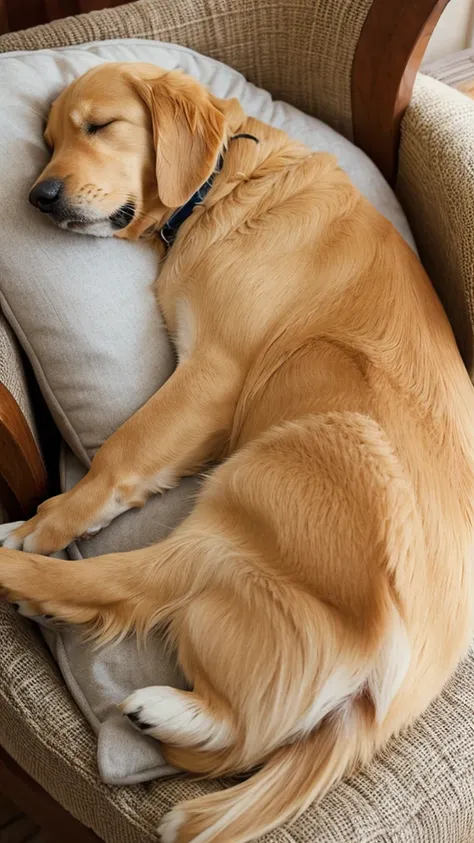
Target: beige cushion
84 311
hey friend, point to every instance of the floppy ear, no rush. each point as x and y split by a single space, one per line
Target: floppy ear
189 131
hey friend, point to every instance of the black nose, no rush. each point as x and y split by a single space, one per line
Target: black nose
46 194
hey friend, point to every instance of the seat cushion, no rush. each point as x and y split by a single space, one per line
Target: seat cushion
419 790
84 311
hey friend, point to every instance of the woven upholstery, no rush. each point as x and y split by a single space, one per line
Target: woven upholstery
300 51
436 188
420 791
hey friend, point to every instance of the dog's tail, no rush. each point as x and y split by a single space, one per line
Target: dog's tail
293 777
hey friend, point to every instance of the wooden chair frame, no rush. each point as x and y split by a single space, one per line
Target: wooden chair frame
387 57
34 801
389 52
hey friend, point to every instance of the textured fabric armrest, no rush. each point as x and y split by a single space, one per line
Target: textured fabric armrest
436 187
22 474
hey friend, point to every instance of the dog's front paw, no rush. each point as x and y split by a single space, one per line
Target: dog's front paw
50 530
7 535
37 535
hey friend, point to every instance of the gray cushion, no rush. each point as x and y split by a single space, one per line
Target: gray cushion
100 679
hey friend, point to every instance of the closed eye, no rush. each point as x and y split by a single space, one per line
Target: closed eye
93 128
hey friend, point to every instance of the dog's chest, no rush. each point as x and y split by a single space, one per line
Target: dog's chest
230 292
184 334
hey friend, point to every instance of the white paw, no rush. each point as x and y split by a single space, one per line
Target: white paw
170 825
29 543
7 539
176 717
12 542
150 707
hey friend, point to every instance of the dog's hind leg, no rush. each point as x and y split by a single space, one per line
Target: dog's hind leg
180 718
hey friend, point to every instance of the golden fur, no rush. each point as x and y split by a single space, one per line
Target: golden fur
319 595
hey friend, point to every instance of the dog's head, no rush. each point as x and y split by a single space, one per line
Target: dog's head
128 143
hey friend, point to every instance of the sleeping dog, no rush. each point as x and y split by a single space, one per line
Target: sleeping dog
319 594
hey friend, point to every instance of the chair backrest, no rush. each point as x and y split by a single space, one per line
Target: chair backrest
352 63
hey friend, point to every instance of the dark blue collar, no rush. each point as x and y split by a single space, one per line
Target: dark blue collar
169 230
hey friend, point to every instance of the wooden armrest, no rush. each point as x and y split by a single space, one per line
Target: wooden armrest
23 480
391 46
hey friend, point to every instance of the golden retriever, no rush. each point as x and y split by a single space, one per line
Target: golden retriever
319 595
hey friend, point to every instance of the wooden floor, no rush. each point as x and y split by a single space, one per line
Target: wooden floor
16 827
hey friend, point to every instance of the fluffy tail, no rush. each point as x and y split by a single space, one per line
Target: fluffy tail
295 776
